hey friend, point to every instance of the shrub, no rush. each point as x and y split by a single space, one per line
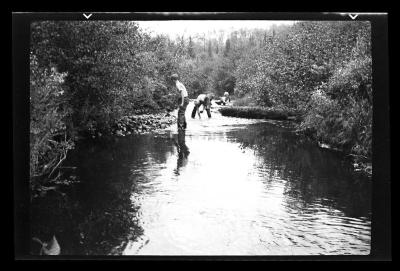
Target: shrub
49 139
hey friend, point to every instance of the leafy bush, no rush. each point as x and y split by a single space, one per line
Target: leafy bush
113 69
49 139
348 128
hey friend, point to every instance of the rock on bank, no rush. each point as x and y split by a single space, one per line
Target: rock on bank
141 124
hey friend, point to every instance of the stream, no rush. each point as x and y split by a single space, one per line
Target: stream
227 186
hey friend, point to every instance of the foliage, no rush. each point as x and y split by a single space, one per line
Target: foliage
322 69
343 114
49 142
112 69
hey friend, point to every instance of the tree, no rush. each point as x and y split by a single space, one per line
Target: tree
191 48
227 47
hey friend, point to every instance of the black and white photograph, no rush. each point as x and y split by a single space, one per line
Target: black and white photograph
200 137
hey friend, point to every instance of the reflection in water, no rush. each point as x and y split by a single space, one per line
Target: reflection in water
311 173
248 188
183 150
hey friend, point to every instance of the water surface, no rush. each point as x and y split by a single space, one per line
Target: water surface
228 186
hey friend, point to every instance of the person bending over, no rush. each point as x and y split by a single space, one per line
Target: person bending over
202 100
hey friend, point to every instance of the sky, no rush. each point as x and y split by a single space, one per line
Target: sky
193 27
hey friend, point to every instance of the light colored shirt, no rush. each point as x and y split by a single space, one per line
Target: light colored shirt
181 88
201 98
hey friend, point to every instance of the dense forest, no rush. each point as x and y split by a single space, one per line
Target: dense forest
85 76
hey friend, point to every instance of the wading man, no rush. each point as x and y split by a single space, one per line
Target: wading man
183 102
205 101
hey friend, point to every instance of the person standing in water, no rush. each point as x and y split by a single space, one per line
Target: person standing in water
183 102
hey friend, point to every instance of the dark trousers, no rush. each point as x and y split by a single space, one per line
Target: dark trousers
181 113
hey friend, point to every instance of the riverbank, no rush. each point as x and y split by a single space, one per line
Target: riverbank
361 164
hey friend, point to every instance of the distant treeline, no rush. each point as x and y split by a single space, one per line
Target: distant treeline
85 76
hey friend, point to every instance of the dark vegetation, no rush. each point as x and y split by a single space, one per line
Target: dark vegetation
322 70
